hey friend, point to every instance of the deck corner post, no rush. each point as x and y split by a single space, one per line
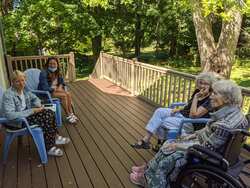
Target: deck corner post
101 64
72 70
133 77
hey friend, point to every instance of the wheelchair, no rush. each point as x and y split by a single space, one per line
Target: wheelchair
208 169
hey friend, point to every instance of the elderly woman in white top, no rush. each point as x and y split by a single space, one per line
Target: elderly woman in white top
20 103
226 100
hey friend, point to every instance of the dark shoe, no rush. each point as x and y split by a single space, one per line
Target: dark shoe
141 145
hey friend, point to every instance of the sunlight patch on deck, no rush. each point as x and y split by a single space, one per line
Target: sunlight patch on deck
108 87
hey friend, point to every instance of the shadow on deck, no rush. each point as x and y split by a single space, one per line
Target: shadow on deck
99 155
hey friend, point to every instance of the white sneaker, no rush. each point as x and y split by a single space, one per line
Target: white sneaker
73 116
54 151
62 140
71 119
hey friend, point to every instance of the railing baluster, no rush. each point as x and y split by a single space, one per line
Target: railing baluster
26 65
174 91
146 81
184 91
169 89
157 88
166 89
179 88
189 89
162 91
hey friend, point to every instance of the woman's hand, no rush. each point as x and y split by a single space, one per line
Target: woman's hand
202 93
174 111
169 146
37 110
59 88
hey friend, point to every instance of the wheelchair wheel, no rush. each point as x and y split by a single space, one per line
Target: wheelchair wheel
203 176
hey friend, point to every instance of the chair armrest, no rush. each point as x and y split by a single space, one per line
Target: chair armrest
43 93
176 104
26 124
21 120
207 155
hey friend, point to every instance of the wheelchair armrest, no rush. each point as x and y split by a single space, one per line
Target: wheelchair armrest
43 93
175 104
205 154
242 131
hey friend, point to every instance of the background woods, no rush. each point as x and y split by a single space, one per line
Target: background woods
188 33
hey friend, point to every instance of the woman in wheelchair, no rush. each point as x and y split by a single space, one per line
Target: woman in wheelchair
170 119
166 165
20 103
51 80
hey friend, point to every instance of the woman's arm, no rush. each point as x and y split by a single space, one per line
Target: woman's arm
195 111
9 109
214 140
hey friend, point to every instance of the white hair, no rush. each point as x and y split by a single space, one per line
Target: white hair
17 74
209 77
229 91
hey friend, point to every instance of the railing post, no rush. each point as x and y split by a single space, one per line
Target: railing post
71 67
101 65
133 77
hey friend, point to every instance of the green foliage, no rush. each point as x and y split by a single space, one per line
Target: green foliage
60 26
221 7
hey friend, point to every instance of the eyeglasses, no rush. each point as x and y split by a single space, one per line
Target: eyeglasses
201 82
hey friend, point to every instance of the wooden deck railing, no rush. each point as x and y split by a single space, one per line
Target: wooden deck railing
67 64
157 85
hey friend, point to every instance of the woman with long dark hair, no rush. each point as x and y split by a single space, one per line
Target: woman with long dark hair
51 80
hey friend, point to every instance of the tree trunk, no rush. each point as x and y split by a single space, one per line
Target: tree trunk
96 46
13 50
5 7
216 57
173 45
138 36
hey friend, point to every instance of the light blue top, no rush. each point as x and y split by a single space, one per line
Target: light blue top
12 104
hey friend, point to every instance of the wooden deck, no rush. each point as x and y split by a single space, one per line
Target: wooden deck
99 155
